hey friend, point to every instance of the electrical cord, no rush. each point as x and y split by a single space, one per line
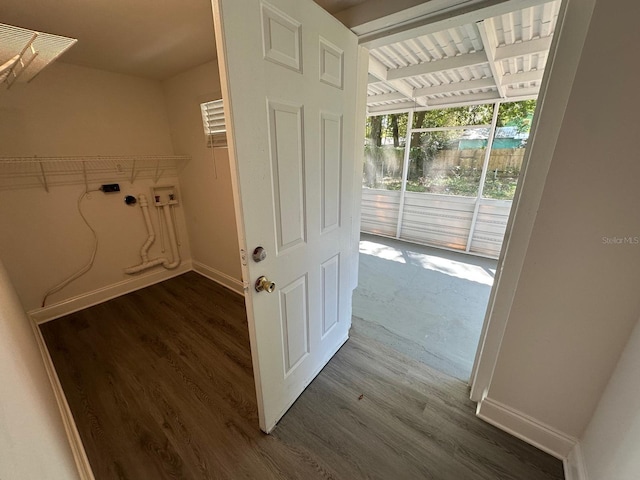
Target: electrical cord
88 266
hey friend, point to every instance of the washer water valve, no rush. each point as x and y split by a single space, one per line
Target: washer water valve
165 195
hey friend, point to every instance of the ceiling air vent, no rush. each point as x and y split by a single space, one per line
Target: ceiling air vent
24 53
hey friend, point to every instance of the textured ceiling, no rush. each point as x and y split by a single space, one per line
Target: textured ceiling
145 38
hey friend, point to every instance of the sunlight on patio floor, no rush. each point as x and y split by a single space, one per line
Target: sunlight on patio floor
425 302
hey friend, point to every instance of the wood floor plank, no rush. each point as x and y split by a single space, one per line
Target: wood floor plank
160 384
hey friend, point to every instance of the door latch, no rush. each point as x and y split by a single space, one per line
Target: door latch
259 254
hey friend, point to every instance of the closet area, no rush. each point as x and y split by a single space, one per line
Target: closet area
109 182
118 230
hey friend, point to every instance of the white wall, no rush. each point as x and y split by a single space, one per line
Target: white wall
72 110
33 443
575 301
611 442
206 179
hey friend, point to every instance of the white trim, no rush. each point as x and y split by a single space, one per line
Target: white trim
574 466
566 49
219 277
89 299
221 49
358 155
75 442
429 17
526 428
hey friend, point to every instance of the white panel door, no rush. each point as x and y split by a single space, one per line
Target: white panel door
288 72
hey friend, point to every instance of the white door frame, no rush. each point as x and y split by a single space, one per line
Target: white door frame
564 55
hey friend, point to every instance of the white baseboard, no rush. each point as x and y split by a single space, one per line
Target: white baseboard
217 276
77 448
43 315
526 428
574 467
71 305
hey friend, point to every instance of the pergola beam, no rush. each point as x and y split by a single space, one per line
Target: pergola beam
451 63
377 70
455 87
489 44
455 101
392 108
380 71
523 92
446 102
529 47
483 97
522 77
385 97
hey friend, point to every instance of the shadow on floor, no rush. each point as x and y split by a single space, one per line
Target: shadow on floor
425 302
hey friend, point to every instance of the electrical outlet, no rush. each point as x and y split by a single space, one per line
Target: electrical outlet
110 188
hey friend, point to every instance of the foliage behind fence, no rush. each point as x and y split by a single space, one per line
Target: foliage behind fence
448 171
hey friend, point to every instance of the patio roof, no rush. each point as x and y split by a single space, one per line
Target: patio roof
497 58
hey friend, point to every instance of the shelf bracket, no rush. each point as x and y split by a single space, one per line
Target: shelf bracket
14 73
44 177
6 67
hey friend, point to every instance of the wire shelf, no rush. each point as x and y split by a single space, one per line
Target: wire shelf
44 172
25 53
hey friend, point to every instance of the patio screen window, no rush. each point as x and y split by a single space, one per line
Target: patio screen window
445 177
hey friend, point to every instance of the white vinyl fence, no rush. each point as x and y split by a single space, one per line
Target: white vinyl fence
438 220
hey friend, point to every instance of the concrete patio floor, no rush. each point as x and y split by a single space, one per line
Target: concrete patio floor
425 302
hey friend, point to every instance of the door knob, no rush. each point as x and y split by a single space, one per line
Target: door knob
263 283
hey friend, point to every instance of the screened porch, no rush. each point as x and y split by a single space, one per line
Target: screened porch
449 117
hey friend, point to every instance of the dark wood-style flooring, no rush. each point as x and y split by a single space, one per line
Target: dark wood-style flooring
160 385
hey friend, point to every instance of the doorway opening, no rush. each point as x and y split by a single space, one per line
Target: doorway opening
449 114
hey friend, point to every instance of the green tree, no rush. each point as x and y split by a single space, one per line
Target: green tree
517 114
384 160
374 130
